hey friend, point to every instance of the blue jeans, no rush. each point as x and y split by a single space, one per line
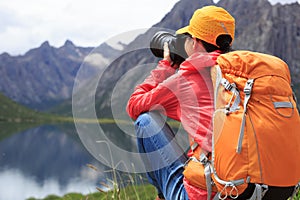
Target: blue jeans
162 156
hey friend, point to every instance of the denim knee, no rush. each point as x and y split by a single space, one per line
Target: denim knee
143 120
149 124
143 126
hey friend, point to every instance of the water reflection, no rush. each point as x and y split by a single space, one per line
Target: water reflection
45 160
15 185
51 159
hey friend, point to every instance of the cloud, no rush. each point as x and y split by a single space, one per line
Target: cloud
273 2
29 23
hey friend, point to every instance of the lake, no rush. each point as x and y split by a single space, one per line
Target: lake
43 160
36 161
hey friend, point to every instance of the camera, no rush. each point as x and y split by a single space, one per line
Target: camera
176 45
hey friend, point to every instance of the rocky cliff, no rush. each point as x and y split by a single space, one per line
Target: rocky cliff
259 27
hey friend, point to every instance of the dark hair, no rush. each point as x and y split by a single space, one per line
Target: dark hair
223 41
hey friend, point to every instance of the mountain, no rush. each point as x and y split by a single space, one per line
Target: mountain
11 111
268 29
41 77
45 76
259 27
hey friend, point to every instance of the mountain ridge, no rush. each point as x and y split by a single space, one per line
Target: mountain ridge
44 76
248 37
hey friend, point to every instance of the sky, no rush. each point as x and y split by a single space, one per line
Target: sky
27 24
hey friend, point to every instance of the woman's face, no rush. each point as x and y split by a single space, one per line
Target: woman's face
193 45
188 46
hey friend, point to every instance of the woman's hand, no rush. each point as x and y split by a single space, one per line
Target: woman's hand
168 57
167 52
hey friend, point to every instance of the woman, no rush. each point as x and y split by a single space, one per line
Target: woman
183 93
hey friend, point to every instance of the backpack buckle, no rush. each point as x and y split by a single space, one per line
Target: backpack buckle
203 159
227 85
248 86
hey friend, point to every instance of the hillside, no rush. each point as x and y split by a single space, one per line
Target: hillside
259 26
13 112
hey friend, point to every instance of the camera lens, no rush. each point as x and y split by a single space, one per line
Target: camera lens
157 43
175 43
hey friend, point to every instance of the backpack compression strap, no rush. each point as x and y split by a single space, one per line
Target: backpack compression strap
235 93
247 92
235 105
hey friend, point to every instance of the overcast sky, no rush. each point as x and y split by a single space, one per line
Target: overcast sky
27 24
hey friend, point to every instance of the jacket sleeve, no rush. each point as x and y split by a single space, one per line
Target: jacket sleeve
154 93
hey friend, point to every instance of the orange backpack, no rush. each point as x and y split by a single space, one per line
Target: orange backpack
256 136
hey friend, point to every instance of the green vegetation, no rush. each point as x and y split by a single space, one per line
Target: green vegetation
15 118
297 196
11 111
133 192
9 128
135 189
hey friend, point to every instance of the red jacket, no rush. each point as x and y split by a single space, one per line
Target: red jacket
186 96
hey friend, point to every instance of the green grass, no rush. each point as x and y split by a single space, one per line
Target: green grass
297 196
133 192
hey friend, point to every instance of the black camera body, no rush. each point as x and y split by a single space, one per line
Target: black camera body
175 43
